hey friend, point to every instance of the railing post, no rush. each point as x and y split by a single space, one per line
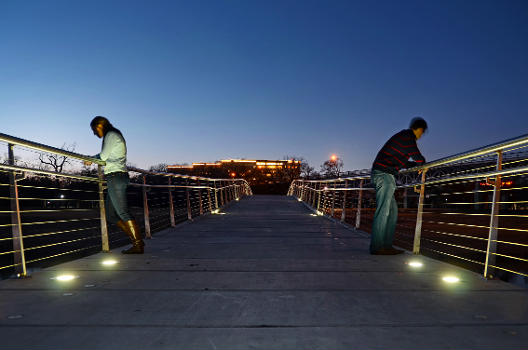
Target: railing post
200 197
418 228
343 213
359 204
209 198
102 210
333 200
216 195
146 208
16 222
189 210
494 222
319 199
226 194
314 194
171 205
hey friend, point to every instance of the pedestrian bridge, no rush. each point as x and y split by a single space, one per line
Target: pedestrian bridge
264 273
225 269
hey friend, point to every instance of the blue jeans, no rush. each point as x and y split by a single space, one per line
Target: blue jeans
116 198
386 214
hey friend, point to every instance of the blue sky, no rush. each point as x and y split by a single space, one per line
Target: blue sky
207 80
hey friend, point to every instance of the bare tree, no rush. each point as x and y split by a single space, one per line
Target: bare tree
332 167
57 162
161 168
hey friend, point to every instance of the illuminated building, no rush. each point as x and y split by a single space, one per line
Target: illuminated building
256 172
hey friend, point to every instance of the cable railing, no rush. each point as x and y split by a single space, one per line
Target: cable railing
470 209
48 216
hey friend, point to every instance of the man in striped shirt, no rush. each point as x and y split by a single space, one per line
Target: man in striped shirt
392 157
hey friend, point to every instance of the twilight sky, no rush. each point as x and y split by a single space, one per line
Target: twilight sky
207 80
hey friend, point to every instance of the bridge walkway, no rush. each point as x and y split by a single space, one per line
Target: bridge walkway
263 274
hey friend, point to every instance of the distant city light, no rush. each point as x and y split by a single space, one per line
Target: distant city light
62 196
333 157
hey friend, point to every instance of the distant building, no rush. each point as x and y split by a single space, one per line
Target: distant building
255 172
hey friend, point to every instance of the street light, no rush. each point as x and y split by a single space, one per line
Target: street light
333 158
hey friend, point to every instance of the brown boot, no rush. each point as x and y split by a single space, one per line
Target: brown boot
135 235
122 226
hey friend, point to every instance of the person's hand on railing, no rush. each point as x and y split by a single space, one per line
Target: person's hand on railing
424 170
87 163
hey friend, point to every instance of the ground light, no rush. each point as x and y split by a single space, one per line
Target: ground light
416 264
109 262
65 278
450 279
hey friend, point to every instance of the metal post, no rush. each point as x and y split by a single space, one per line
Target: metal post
189 212
343 213
200 197
16 222
314 193
146 208
226 194
209 198
494 222
216 194
476 196
171 205
359 204
418 228
319 200
333 200
102 211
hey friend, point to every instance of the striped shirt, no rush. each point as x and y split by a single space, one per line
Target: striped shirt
395 154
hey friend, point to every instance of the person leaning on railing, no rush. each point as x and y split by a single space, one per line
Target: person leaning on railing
392 157
114 153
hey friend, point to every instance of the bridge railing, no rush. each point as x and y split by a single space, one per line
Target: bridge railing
52 207
470 209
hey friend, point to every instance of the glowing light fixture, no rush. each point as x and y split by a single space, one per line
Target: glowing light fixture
415 264
109 262
450 279
333 158
65 278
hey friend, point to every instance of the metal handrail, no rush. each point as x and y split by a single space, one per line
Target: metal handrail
328 196
206 195
45 148
494 147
